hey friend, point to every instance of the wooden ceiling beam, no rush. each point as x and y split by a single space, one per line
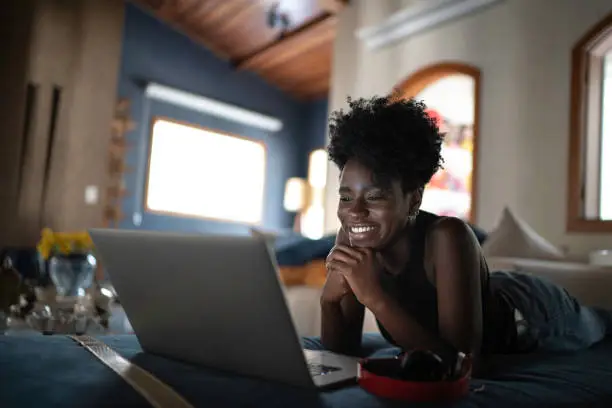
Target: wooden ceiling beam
194 10
309 64
297 61
310 89
169 18
295 74
292 46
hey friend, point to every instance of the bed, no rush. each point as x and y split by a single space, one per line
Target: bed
40 371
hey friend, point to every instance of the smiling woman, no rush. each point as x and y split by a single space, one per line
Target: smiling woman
422 275
202 173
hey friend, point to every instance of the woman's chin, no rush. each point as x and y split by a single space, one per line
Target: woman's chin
361 240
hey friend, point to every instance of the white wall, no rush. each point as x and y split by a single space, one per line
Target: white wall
523 49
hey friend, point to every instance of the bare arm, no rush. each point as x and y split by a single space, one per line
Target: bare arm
455 259
405 330
457 263
341 321
342 324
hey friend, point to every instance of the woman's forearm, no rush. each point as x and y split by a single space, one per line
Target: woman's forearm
332 326
341 325
405 330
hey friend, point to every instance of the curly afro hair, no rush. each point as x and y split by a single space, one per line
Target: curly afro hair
395 138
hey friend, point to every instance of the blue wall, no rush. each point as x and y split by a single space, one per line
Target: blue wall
316 132
154 52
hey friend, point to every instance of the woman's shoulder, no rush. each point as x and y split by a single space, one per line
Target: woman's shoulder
448 235
449 227
453 227
452 238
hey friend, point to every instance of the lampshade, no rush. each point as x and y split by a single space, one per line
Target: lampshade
317 168
295 194
313 222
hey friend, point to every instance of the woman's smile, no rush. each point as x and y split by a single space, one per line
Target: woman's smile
362 233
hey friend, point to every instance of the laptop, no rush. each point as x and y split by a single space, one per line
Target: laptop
215 301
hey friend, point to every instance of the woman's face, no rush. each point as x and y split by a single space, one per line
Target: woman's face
372 214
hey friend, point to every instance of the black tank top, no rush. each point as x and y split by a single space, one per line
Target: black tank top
422 304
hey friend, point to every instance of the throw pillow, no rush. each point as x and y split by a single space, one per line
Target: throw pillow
514 238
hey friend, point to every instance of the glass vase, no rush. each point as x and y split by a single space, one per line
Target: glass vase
72 273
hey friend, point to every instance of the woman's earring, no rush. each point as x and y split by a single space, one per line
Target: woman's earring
412 217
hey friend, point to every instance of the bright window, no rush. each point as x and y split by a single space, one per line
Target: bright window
605 171
202 173
589 188
598 134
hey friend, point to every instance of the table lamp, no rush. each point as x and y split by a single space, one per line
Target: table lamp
306 197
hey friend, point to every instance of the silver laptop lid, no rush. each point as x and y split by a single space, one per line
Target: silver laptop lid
211 300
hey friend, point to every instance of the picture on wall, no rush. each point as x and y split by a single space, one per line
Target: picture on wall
450 101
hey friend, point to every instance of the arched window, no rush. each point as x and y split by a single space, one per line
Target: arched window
590 148
450 91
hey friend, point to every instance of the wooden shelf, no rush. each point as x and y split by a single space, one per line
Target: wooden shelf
121 125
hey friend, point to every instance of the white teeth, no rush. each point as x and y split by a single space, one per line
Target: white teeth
360 230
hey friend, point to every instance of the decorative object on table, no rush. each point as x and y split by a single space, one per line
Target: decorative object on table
71 263
306 197
72 273
25 303
10 285
27 262
43 311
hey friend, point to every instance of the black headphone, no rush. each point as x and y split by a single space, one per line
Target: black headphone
425 365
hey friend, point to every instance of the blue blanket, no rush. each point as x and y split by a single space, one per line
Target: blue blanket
41 371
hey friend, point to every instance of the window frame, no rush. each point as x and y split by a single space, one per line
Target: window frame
583 71
417 81
176 214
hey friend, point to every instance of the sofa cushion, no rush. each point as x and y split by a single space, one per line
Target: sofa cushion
514 238
301 250
312 274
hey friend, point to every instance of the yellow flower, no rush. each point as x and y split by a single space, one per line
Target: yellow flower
63 242
46 243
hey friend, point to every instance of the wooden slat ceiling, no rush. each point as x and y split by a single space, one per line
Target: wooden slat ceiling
296 59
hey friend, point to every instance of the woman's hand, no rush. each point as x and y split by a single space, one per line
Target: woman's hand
360 268
336 287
